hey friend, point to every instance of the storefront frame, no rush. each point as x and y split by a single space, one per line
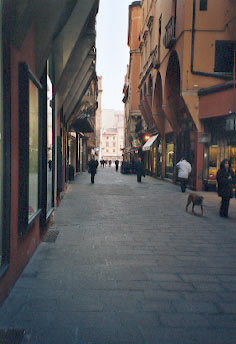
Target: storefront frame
25 78
169 170
216 150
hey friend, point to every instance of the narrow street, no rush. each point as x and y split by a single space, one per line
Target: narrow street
129 265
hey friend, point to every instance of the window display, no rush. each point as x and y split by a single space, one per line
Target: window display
29 136
212 162
33 148
169 158
49 145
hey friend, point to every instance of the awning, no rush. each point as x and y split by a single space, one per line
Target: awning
149 142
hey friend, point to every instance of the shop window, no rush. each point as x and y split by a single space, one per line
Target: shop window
212 162
232 156
203 5
159 160
29 162
170 157
224 56
49 145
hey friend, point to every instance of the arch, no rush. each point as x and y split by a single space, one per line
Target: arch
177 112
172 82
141 95
145 106
157 111
172 91
144 89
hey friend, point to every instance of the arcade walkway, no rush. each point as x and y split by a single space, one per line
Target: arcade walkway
126 264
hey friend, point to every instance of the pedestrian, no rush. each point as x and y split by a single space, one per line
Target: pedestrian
117 164
109 163
139 166
92 168
183 169
225 180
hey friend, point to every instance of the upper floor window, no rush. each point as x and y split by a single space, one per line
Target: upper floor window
203 5
224 56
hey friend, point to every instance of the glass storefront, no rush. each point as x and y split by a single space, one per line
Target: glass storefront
29 134
49 145
222 146
33 148
159 160
154 166
213 155
170 156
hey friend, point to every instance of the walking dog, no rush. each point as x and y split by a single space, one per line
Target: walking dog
195 199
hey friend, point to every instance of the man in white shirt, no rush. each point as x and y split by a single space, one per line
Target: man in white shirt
184 169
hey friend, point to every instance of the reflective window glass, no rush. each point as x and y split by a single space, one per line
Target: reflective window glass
33 148
49 144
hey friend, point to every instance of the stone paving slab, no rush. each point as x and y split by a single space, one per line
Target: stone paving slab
129 266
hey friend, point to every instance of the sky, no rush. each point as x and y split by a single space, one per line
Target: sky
112 50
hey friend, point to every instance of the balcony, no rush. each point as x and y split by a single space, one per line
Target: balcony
169 37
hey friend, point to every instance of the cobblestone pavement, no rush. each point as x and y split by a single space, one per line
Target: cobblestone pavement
129 266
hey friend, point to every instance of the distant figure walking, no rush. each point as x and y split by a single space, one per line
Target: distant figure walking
109 163
184 169
225 179
92 168
117 164
139 166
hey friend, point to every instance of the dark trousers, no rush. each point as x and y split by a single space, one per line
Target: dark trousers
183 183
116 168
92 178
224 208
139 178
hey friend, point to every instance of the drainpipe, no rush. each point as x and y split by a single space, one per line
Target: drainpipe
214 75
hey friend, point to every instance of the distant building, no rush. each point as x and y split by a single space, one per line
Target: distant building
112 138
134 124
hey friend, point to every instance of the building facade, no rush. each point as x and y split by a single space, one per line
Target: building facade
133 121
47 70
186 84
112 138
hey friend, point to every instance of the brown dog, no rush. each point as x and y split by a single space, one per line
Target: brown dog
195 199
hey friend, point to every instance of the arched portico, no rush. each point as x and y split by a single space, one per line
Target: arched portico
178 115
145 108
157 110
